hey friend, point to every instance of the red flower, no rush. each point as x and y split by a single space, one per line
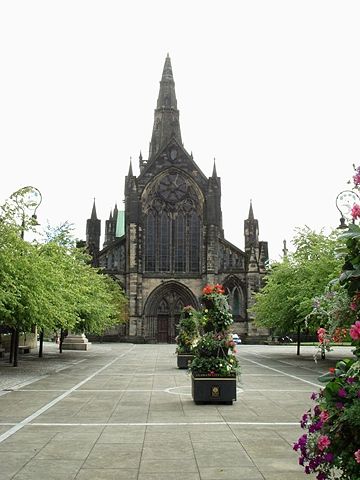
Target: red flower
209 289
332 370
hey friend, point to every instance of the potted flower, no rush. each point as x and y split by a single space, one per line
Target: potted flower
214 368
187 337
331 445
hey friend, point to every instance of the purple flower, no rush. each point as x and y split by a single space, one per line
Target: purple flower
321 476
317 410
304 419
342 393
328 457
351 380
339 405
316 426
314 396
302 440
307 470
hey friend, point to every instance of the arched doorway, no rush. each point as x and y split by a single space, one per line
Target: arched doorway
163 308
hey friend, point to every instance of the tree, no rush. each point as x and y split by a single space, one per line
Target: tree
291 285
52 284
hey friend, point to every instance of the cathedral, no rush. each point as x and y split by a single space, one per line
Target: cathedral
169 241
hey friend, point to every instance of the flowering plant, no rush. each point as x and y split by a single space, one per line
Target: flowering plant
216 308
214 353
188 329
331 446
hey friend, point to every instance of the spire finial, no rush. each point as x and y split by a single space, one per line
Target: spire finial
251 213
130 174
285 249
214 174
93 212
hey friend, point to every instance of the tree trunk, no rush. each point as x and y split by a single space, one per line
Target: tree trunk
12 340
62 335
16 347
41 338
298 340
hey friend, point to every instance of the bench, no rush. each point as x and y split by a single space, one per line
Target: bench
23 349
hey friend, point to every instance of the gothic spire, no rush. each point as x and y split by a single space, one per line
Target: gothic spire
214 174
93 212
251 213
166 117
130 174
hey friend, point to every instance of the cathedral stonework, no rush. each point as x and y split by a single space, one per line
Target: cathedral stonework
170 242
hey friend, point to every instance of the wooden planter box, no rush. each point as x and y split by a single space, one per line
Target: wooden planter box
213 390
183 360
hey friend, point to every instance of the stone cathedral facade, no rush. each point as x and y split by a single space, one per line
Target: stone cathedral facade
169 242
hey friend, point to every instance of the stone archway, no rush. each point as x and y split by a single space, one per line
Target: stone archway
236 291
163 308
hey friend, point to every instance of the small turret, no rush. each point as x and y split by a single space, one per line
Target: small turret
93 231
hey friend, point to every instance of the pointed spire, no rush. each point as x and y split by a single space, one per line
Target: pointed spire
130 174
166 117
214 174
251 213
140 156
111 215
93 212
167 71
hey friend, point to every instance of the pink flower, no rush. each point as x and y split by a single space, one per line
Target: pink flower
355 331
353 306
323 442
357 455
324 416
355 211
356 177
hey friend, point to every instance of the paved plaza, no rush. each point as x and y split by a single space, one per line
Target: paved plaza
124 411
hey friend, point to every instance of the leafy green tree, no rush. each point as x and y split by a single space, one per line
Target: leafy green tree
291 285
52 284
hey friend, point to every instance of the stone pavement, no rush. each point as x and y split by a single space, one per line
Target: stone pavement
123 411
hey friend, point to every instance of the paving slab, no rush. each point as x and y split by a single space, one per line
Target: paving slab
123 411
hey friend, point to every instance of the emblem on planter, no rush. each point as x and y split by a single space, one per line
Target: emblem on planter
215 391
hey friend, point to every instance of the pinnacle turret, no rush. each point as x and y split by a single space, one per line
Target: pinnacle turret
93 212
251 213
214 174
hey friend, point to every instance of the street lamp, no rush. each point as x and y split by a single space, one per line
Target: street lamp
27 199
344 203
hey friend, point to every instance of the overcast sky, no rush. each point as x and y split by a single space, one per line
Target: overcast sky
271 89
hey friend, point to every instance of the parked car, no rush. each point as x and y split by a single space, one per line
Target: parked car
236 338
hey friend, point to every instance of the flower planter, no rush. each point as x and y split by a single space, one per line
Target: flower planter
183 360
213 389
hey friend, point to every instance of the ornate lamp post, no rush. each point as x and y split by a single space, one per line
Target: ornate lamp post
344 203
27 200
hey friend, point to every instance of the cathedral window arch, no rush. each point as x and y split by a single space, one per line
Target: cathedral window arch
172 219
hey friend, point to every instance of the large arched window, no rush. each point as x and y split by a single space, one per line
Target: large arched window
172 224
